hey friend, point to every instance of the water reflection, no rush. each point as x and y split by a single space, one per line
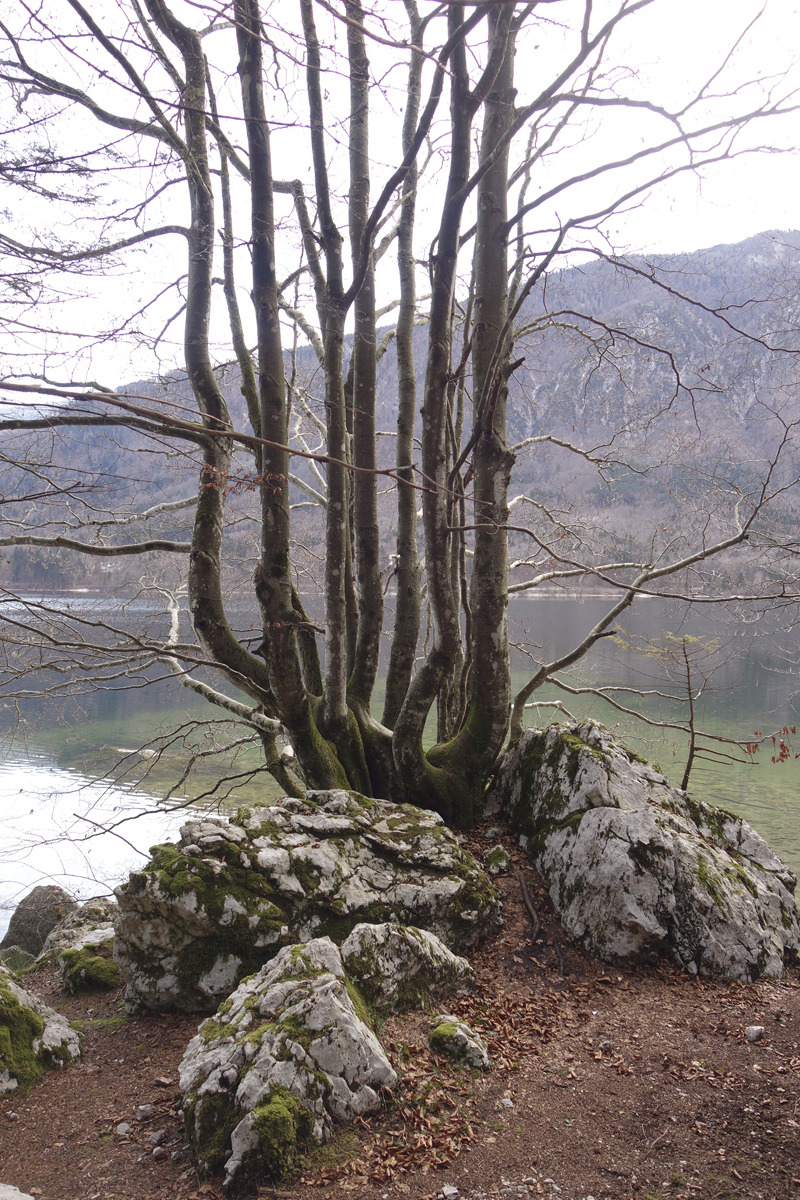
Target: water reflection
60 827
50 786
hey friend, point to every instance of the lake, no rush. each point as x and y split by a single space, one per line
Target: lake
82 804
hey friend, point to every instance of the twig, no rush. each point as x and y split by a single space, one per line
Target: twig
526 896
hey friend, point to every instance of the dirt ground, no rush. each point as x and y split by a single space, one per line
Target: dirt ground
606 1082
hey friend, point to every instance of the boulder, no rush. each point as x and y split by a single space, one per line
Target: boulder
636 867
398 968
456 1039
8 1192
95 917
205 913
34 917
32 1036
82 946
289 1053
497 860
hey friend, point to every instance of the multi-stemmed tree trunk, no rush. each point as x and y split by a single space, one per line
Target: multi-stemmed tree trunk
461 481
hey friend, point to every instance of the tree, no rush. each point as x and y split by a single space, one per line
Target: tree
196 109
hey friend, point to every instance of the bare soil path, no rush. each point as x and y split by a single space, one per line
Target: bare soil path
607 1083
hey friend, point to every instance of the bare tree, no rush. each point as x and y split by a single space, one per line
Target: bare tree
195 109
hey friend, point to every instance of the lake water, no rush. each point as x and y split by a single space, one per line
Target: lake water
81 807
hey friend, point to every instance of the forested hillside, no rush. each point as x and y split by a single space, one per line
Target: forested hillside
670 368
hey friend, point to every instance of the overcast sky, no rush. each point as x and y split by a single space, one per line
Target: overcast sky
669 49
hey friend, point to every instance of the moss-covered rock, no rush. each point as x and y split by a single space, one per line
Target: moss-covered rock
16 959
285 1056
497 860
213 909
90 967
636 867
398 968
32 1036
456 1039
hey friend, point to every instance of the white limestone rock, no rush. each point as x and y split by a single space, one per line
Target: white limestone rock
456 1039
34 1036
205 913
398 968
285 1056
8 1192
636 867
82 947
90 922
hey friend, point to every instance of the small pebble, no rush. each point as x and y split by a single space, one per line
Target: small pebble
495 832
607 1046
123 1129
12 1116
449 1192
175 1156
159 1154
754 1033
155 1139
144 1112
507 1102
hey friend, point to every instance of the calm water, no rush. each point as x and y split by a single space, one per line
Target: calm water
81 807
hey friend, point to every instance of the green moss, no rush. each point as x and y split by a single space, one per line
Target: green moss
178 874
284 1128
738 874
441 1038
19 1028
306 874
90 969
636 758
85 1024
498 857
708 882
359 1003
210 1121
706 815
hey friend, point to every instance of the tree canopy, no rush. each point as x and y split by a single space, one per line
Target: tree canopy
263 206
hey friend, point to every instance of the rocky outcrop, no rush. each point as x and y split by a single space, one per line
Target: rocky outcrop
205 913
398 968
35 915
289 1053
457 1040
32 1036
636 867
